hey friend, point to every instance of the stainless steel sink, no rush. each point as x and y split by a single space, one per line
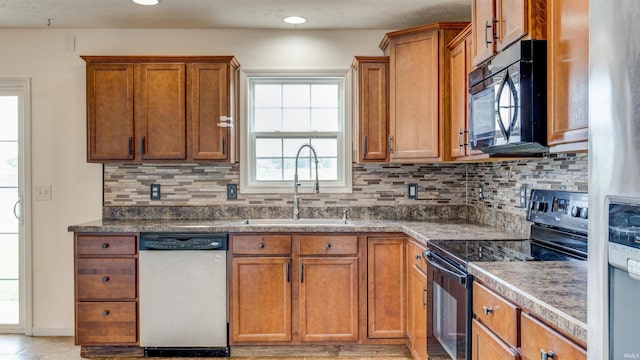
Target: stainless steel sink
296 222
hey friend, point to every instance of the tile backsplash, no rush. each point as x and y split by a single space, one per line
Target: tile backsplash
374 185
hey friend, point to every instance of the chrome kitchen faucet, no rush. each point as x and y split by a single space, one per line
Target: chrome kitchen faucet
316 186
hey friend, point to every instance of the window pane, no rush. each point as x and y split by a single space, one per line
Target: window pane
291 147
324 119
296 95
324 96
268 120
269 169
327 169
325 147
304 171
267 95
8 164
8 222
296 120
8 118
268 148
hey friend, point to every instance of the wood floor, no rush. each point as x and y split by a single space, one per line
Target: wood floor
19 347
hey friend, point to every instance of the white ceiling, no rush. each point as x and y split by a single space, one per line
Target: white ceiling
249 14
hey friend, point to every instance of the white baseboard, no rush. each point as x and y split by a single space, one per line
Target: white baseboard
35 331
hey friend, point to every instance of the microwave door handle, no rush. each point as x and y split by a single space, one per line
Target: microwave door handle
428 255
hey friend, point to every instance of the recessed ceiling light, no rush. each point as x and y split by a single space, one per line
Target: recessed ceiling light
146 2
295 20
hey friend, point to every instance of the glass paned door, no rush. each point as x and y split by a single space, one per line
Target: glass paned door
13 112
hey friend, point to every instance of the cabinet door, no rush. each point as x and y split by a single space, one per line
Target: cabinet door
458 80
160 111
414 93
110 112
482 19
106 323
385 287
372 110
260 299
209 100
512 24
568 72
419 304
485 345
328 299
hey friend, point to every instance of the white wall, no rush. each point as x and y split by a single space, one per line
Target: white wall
58 123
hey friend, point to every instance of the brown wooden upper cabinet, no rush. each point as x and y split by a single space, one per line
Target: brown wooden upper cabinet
372 119
499 23
568 74
142 108
419 108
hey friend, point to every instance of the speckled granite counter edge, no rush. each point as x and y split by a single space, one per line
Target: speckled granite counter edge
549 314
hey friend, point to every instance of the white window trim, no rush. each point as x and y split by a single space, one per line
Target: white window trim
247 165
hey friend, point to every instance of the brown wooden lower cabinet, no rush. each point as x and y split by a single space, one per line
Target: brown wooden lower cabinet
111 323
416 302
486 345
539 340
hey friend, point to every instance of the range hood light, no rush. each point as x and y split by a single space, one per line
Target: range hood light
295 20
146 2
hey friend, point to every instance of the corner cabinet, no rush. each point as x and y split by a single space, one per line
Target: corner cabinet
499 23
568 75
371 108
160 108
418 91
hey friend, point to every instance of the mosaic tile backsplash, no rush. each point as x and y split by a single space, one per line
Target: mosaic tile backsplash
374 185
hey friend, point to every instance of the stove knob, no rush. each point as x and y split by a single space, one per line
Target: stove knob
575 211
584 213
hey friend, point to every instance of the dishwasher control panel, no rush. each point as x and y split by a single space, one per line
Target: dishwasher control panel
183 241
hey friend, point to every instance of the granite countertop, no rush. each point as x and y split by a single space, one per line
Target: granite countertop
556 291
422 231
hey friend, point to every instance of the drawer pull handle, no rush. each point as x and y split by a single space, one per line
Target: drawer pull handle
261 245
105 245
327 246
487 310
547 355
105 313
417 256
105 279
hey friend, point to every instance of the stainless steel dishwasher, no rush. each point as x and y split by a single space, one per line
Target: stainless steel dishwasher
183 294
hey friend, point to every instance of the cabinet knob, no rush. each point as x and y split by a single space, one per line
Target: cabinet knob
105 279
261 245
547 355
327 246
105 245
105 312
417 256
487 310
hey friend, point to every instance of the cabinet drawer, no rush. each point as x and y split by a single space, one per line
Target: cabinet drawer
485 345
416 256
109 323
538 338
499 315
106 245
261 244
105 278
329 245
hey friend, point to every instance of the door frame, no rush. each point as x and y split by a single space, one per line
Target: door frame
22 87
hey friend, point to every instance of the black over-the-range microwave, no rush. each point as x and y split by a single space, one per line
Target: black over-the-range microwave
508 101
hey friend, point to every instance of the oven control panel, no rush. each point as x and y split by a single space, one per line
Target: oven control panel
562 209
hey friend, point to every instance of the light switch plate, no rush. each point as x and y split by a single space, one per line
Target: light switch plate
480 192
232 191
154 192
412 191
42 192
523 196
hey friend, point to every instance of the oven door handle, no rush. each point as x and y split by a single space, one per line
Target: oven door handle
432 258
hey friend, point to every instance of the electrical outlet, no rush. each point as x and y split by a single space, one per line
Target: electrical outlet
480 193
523 196
412 191
232 191
154 191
